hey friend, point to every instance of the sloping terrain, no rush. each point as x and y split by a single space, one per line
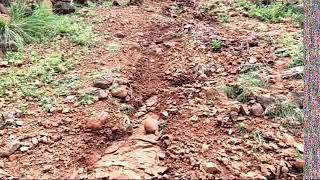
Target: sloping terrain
173 63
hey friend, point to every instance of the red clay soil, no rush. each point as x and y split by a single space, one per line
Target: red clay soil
158 55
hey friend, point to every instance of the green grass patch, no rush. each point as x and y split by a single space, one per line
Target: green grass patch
286 110
245 85
250 79
107 4
258 138
241 128
37 78
65 86
40 25
223 18
47 105
292 46
86 99
273 13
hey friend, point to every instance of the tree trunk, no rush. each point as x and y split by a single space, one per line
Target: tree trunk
311 89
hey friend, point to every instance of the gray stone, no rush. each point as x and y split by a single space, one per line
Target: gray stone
295 72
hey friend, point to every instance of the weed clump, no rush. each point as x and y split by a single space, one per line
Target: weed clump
245 85
289 112
39 25
292 47
275 13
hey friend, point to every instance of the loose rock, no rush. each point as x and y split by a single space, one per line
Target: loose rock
61 7
205 147
254 175
102 94
24 148
34 141
244 109
252 60
19 123
46 168
211 168
44 139
56 137
299 147
120 35
151 123
152 101
293 73
65 110
288 140
284 170
234 115
256 109
120 91
202 77
103 84
265 100
298 98
298 165
247 67
194 118
235 108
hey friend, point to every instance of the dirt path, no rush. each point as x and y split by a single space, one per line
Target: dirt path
162 57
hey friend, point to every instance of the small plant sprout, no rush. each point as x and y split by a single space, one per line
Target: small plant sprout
223 18
215 45
241 128
258 138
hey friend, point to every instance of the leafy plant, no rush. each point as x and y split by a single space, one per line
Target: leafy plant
215 45
233 91
107 3
176 9
75 31
299 155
